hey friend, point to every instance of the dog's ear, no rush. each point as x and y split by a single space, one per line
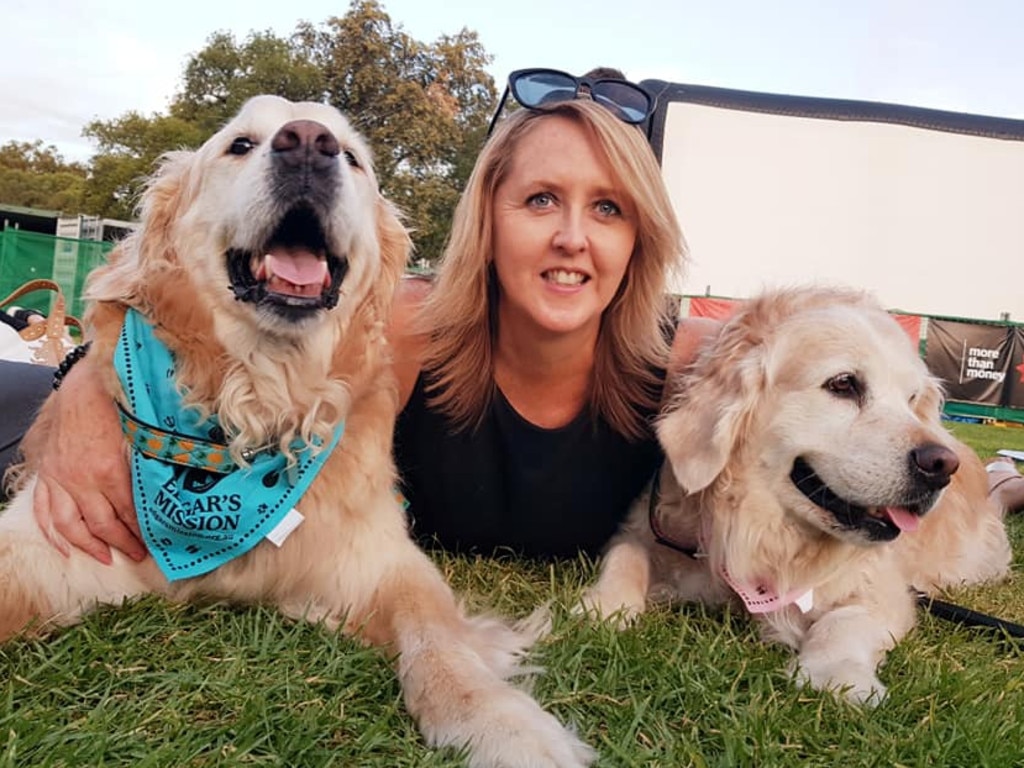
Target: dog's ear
928 405
395 249
128 269
706 420
395 244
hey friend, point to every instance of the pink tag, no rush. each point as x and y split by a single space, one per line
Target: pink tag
760 599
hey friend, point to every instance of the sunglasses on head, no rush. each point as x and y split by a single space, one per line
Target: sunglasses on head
535 87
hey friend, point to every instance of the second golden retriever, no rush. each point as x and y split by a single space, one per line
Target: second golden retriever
810 479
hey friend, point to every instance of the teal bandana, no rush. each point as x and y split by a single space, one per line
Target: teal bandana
197 509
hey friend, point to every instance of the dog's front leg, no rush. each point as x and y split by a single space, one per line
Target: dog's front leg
451 668
41 588
843 648
620 592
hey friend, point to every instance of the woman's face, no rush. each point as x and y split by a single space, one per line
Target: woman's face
563 232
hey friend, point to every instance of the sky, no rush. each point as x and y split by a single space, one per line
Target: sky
66 63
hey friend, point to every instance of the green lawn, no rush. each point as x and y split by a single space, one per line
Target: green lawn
986 439
159 685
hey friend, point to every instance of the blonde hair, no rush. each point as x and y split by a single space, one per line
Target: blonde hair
460 316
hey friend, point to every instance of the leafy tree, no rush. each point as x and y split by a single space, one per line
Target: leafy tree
218 80
422 106
221 77
130 147
37 176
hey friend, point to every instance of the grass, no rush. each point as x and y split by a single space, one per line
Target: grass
158 685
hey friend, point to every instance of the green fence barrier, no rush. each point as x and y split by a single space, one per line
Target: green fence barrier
26 256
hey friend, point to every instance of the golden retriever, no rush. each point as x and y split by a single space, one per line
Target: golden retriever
809 477
265 263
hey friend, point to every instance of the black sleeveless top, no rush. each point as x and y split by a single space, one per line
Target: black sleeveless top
510 484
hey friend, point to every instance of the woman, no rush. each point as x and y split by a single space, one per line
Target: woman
528 373
531 395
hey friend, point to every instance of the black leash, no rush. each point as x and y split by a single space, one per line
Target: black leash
967 617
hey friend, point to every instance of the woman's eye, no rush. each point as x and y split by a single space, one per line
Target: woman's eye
608 208
540 200
243 145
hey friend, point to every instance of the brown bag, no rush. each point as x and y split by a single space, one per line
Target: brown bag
50 340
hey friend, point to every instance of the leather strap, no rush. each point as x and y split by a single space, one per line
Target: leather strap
57 315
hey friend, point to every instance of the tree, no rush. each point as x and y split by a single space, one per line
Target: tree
130 147
221 77
37 176
218 80
423 107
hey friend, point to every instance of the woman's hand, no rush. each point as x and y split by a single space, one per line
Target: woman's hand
83 494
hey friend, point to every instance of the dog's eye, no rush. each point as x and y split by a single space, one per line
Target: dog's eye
350 158
845 385
243 145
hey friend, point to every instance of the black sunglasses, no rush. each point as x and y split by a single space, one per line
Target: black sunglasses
534 87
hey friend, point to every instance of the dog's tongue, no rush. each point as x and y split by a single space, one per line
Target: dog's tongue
297 265
902 519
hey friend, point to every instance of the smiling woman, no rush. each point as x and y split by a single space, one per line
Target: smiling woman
563 238
532 371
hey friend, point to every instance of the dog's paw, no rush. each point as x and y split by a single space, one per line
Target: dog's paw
510 730
539 624
865 695
501 647
459 702
619 608
846 679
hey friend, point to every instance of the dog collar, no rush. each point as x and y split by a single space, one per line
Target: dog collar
759 598
660 536
172 448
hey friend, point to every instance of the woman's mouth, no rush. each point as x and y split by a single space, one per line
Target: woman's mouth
564 277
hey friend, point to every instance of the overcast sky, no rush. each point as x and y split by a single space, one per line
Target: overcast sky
67 62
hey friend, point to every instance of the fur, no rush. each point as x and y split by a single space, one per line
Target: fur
272 377
828 377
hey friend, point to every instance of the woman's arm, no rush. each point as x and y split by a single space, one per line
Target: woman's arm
83 494
406 342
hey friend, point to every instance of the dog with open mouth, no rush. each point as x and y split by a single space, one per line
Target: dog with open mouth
809 479
241 332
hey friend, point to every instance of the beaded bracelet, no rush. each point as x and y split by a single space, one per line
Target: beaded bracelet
69 360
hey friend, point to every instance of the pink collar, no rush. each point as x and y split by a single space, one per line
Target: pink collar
760 599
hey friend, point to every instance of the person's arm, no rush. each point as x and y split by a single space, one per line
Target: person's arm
83 495
406 343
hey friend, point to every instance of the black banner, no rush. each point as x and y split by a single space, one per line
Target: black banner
1014 395
974 361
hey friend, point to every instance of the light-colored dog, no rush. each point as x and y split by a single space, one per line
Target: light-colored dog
809 477
265 263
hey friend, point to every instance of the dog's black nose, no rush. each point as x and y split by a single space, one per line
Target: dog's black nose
934 464
302 142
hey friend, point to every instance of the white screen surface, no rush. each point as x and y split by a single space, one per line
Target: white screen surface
931 222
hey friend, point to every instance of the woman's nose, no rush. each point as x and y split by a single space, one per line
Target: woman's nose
571 235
